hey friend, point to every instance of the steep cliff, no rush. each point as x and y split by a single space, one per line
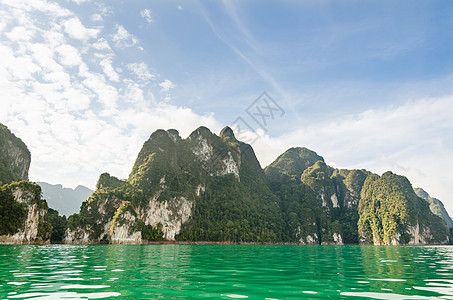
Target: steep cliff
23 214
14 157
205 187
391 213
436 206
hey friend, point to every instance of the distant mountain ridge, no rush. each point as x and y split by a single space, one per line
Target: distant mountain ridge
66 201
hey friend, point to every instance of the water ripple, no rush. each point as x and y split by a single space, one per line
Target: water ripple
225 271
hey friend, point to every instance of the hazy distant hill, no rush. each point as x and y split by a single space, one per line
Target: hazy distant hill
65 200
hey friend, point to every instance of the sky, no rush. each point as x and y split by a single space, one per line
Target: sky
365 84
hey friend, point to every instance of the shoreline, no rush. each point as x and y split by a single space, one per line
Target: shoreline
211 243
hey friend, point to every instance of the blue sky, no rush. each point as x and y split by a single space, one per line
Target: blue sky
365 84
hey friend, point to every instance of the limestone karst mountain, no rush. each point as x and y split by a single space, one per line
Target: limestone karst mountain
205 187
212 188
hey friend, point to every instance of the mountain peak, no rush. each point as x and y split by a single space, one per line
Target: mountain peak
293 162
227 132
200 131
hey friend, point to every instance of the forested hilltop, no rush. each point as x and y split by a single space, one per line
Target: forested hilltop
212 188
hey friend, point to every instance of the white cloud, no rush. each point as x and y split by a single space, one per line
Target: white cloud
146 14
50 8
180 7
166 85
69 55
20 33
43 56
108 69
106 94
141 70
123 38
75 29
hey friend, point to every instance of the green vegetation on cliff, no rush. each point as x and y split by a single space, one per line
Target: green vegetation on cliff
290 165
12 213
16 201
391 212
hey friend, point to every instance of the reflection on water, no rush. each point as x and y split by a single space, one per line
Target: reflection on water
225 271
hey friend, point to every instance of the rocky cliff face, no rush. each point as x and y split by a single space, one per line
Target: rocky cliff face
436 206
14 157
23 214
174 185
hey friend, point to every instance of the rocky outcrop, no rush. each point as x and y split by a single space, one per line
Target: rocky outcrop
25 220
15 157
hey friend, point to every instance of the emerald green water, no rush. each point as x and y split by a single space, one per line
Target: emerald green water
225 272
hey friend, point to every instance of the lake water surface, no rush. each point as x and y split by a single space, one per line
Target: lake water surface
225 272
